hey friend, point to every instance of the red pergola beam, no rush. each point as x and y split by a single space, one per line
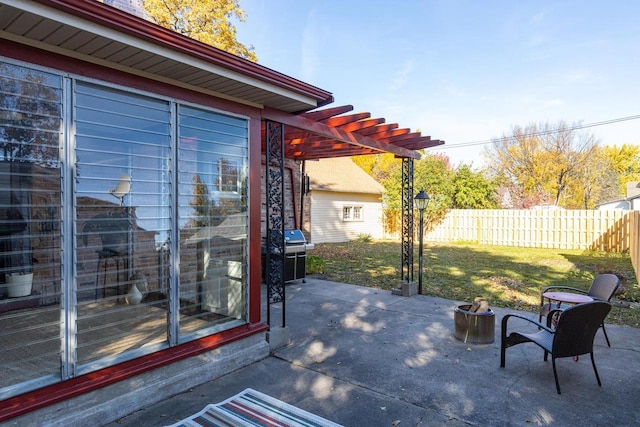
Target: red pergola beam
333 133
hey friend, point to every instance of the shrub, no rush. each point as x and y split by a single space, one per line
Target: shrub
364 238
315 265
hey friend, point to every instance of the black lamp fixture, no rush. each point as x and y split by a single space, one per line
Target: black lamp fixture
422 201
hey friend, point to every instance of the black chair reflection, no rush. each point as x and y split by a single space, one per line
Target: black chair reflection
117 258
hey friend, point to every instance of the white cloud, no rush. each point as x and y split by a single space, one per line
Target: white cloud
402 75
453 90
577 76
310 47
537 18
553 102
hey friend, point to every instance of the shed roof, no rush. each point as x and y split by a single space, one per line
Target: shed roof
341 175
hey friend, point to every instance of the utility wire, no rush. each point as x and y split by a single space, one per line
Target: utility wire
582 126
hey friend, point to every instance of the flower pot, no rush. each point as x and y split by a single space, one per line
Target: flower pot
19 285
134 296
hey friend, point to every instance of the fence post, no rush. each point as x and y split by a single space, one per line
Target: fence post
634 240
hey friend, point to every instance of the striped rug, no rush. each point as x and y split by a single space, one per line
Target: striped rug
252 408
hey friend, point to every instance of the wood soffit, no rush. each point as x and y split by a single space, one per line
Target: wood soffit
331 132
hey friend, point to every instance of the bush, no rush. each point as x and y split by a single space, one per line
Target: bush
315 265
364 238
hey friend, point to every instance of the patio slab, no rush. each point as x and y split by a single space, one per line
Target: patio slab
364 357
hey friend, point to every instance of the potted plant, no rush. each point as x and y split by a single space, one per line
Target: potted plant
17 251
20 282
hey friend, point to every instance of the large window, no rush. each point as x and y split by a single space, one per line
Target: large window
127 215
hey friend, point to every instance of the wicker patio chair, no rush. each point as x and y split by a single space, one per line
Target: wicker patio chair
603 287
572 336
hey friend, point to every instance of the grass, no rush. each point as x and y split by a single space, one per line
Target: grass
506 276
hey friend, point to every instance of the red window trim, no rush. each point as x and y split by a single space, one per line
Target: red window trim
30 401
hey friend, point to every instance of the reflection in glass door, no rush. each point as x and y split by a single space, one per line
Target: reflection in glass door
30 232
122 212
213 219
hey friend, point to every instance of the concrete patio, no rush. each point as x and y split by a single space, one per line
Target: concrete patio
363 357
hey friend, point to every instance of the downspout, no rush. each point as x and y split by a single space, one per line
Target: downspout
302 192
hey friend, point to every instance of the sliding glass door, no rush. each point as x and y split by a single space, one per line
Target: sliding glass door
124 217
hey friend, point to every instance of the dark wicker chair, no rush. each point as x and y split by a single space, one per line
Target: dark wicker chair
602 289
573 335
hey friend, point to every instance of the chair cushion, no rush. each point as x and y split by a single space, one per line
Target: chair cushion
543 338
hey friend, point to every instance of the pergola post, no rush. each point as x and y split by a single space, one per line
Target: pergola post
407 220
407 286
274 188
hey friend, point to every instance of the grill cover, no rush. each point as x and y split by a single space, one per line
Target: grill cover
294 237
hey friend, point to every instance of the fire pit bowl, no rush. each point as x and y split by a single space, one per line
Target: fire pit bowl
474 328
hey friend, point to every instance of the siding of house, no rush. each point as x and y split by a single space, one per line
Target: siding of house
327 224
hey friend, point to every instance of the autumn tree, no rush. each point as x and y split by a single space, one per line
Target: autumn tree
472 189
626 162
596 181
433 174
208 21
202 203
379 166
540 161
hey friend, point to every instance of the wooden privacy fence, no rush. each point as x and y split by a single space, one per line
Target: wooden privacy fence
609 231
602 230
557 229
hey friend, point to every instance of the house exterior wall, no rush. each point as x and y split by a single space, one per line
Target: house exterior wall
630 203
328 224
291 196
111 99
616 204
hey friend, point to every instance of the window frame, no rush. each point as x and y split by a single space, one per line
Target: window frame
67 307
353 213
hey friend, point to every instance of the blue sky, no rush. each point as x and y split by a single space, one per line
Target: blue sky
461 71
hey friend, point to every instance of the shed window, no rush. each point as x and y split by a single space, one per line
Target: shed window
352 213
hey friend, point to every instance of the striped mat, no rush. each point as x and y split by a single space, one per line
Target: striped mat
252 408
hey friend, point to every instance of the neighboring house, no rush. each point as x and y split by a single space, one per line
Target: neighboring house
629 203
345 201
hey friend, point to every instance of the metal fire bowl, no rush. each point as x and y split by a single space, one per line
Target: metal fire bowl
474 328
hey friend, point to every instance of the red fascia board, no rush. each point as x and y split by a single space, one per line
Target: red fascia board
116 19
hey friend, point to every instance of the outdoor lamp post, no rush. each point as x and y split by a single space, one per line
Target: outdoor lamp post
422 201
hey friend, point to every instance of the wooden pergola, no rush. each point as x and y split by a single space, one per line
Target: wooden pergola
327 133
331 132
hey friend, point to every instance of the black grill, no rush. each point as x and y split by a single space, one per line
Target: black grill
295 255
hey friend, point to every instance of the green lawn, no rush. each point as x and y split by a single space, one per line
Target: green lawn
505 276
